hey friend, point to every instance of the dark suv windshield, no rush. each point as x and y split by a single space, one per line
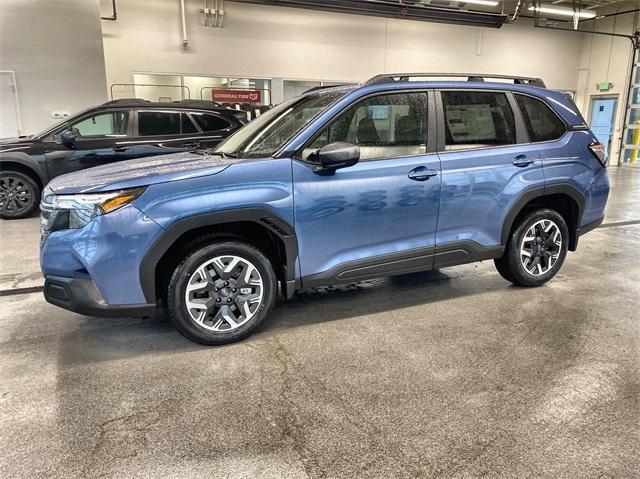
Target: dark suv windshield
273 129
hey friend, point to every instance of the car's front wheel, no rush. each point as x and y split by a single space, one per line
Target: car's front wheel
19 195
536 249
221 292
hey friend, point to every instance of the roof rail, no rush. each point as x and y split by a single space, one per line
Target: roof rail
478 77
324 87
196 103
128 101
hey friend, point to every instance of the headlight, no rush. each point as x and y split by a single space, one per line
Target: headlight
75 211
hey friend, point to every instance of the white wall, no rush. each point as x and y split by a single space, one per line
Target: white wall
607 58
55 49
277 42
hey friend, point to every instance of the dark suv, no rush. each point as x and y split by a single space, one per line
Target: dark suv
114 131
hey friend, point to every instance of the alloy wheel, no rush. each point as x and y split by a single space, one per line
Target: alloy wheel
224 293
541 247
15 195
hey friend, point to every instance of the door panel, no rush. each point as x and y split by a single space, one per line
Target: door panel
99 138
87 154
368 210
487 164
379 216
478 188
164 132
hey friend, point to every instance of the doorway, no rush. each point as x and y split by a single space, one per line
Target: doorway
603 118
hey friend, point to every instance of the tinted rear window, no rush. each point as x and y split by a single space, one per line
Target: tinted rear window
187 125
541 122
152 123
210 122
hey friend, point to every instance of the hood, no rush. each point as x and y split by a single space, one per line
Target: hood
140 172
15 144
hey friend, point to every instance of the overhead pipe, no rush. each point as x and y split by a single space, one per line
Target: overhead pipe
185 40
114 12
633 38
221 13
635 10
205 12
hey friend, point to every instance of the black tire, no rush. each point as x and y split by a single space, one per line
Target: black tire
511 266
19 195
177 302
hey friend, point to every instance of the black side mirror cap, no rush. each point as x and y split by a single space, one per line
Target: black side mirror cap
336 155
68 138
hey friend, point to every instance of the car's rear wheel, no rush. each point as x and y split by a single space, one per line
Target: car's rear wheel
19 195
536 249
221 292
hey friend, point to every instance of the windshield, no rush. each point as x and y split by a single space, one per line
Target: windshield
265 135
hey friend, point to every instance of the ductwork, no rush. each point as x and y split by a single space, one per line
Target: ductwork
409 10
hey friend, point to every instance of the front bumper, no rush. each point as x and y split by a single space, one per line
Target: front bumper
81 296
107 252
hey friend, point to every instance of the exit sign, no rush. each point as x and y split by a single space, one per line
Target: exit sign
604 85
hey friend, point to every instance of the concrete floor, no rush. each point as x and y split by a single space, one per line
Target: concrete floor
446 374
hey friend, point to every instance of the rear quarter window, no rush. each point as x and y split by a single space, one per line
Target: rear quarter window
541 122
209 121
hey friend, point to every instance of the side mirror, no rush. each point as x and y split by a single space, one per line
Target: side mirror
68 138
337 155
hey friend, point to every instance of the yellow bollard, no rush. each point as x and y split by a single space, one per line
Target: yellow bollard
635 140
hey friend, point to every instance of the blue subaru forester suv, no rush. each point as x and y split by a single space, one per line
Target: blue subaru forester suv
397 175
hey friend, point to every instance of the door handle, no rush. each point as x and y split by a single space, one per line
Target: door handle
522 161
192 145
120 149
421 173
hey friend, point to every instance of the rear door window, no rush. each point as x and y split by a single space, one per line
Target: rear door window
157 123
474 119
541 122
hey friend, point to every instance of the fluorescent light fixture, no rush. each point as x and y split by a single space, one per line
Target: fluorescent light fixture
567 12
488 3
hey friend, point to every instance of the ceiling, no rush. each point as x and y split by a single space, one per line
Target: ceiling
483 13
596 4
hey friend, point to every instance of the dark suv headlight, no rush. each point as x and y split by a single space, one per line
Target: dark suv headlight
75 211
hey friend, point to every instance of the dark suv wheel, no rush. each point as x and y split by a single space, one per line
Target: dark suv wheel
536 249
221 292
19 195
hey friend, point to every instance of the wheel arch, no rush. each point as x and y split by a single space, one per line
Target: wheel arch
258 227
564 198
27 167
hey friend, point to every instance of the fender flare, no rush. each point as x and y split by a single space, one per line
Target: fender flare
259 216
538 192
27 161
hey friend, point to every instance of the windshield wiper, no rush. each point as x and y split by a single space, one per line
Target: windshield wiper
212 152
